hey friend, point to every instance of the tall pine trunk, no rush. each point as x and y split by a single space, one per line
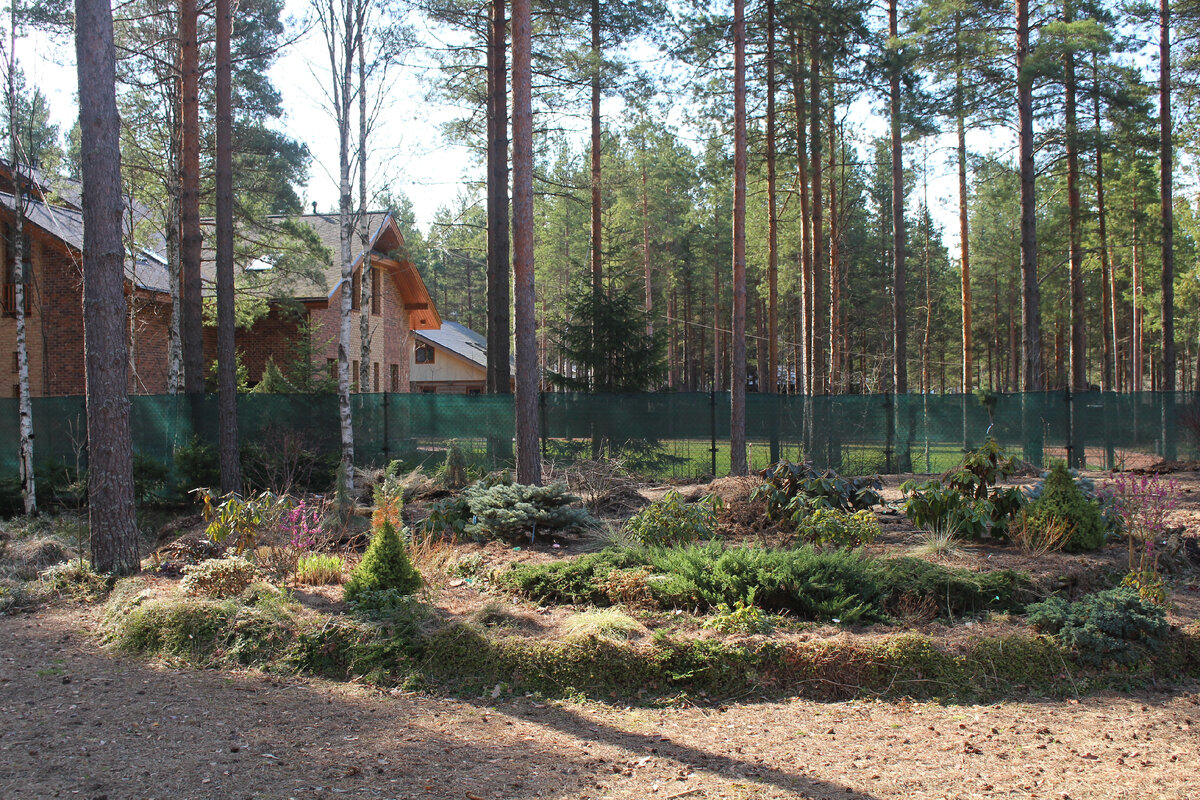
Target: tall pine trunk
899 279
1031 316
171 235
964 231
111 519
529 463
498 370
231 471
816 347
1078 349
1166 184
192 323
1108 330
772 368
835 267
597 265
737 378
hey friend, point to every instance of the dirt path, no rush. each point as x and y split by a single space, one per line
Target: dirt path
78 722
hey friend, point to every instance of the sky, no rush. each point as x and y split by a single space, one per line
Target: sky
410 152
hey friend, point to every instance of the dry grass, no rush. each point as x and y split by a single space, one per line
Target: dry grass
320 569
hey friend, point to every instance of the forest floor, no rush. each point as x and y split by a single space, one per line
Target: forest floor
80 722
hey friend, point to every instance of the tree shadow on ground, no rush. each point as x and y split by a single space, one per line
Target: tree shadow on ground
81 720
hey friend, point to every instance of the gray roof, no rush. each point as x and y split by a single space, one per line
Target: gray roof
460 340
66 224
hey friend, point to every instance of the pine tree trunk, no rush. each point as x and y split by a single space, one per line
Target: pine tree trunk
737 385
646 252
1137 350
772 368
835 267
1108 331
1078 350
498 370
171 236
964 231
899 279
1031 316
1166 184
192 327
529 463
597 265
716 315
364 234
816 347
231 471
111 519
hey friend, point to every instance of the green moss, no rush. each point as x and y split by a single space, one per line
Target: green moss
268 631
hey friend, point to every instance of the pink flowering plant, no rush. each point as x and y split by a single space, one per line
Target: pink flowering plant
1144 503
302 525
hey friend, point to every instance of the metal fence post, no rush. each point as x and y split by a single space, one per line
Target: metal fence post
712 427
1069 400
542 420
386 427
890 444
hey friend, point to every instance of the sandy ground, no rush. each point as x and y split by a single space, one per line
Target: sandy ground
79 722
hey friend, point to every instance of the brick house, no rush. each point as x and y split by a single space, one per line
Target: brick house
400 303
54 299
54 308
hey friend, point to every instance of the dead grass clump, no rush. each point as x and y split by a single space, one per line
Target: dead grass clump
185 551
23 559
494 614
602 623
1051 536
620 501
747 519
629 587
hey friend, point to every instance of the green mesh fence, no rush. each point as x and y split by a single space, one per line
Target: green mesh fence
660 435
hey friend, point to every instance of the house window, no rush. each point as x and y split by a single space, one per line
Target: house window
424 353
395 377
16 361
331 364
376 303
354 376
375 369
429 390
356 291
10 272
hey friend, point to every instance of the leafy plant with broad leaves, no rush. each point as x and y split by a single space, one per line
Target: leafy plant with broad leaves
237 521
672 521
967 496
792 490
831 527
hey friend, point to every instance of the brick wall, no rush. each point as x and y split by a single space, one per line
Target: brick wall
390 334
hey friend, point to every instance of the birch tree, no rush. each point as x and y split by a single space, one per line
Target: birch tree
17 245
